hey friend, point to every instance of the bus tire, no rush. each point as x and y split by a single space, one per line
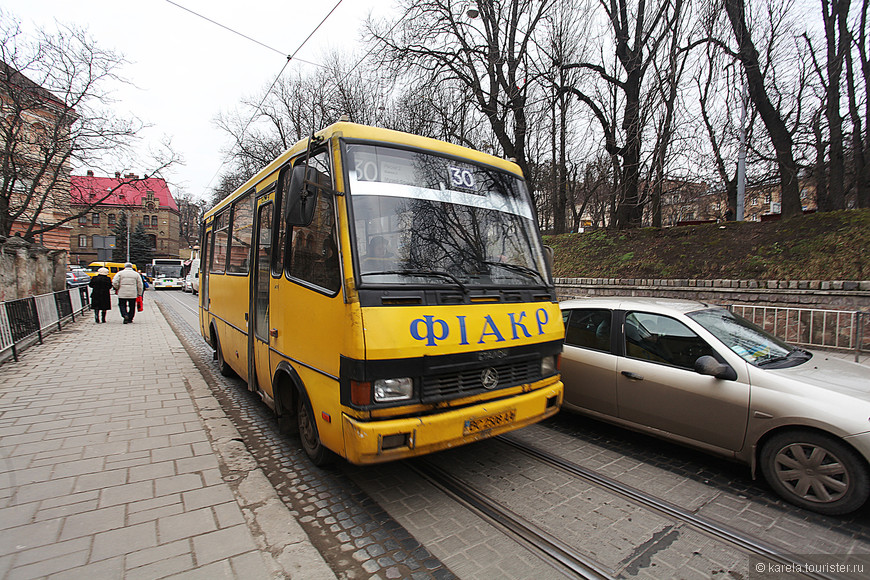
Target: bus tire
311 444
223 368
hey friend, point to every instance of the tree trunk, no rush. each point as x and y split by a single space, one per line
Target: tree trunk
776 128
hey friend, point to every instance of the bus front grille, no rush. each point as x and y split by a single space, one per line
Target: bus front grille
469 382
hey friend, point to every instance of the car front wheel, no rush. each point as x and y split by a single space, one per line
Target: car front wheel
815 471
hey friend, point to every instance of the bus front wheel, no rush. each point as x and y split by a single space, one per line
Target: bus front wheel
311 443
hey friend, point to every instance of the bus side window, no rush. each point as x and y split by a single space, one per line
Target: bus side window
219 251
240 240
313 251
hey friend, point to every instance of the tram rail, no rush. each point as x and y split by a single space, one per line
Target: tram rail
572 559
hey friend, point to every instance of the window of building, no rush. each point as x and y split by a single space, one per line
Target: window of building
83 241
83 220
95 219
153 240
111 219
154 221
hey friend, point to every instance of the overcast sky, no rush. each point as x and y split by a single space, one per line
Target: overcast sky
187 70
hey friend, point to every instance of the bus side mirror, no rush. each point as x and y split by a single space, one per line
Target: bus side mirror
299 188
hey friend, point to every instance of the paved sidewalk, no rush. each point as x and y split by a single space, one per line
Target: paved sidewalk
116 462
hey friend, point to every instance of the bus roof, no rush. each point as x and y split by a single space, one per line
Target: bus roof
348 130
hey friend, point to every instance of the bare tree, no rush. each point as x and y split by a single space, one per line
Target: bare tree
770 115
190 211
860 140
52 99
638 31
483 47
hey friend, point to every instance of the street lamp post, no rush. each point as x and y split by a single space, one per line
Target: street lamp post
741 159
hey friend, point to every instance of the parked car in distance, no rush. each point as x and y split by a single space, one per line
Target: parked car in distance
702 376
191 281
76 277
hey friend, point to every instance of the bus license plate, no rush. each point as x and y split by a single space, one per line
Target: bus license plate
483 423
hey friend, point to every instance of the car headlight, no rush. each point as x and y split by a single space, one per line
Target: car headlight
388 390
548 366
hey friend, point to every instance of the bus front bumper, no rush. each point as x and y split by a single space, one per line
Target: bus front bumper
377 441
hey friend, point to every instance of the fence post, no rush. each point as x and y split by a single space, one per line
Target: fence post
859 341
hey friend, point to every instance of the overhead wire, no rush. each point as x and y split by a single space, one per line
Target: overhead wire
236 32
278 76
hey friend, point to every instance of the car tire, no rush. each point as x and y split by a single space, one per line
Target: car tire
311 444
815 471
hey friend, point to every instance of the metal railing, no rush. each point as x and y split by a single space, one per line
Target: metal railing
25 320
840 329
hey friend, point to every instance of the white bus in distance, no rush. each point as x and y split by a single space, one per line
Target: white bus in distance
166 273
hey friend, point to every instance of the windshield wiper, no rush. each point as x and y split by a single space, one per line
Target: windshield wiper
792 354
433 273
518 268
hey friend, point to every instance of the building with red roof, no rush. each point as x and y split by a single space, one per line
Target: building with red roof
144 200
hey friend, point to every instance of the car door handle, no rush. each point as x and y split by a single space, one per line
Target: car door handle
633 376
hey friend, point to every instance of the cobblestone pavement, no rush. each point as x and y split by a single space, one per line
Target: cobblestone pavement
116 462
355 535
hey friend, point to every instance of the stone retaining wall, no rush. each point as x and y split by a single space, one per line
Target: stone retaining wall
824 294
28 269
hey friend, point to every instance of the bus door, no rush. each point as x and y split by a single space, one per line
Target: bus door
203 287
259 331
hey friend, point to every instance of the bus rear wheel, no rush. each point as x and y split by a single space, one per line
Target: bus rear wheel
223 368
311 443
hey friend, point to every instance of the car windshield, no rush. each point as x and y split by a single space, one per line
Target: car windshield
423 219
752 343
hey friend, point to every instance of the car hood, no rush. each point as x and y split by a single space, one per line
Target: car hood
831 373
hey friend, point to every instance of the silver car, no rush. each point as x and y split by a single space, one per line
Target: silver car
699 375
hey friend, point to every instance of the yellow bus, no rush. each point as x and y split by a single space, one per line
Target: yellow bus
386 293
113 267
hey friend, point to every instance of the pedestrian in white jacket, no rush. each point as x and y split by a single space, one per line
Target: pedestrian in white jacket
128 286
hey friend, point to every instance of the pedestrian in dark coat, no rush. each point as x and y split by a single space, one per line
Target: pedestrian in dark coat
101 300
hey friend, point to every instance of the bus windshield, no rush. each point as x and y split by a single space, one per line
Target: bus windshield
420 218
166 270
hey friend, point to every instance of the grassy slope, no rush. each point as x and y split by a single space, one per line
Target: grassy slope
821 246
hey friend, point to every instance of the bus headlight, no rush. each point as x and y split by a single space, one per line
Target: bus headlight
388 390
549 365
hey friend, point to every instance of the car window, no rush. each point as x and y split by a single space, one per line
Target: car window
588 328
755 345
662 339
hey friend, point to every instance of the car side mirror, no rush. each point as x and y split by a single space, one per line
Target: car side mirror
707 365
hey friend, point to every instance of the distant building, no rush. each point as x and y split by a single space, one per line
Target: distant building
39 124
685 202
146 201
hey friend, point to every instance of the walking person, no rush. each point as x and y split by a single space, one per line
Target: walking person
101 300
128 286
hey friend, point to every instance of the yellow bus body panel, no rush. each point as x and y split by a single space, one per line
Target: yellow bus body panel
443 430
230 319
404 332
